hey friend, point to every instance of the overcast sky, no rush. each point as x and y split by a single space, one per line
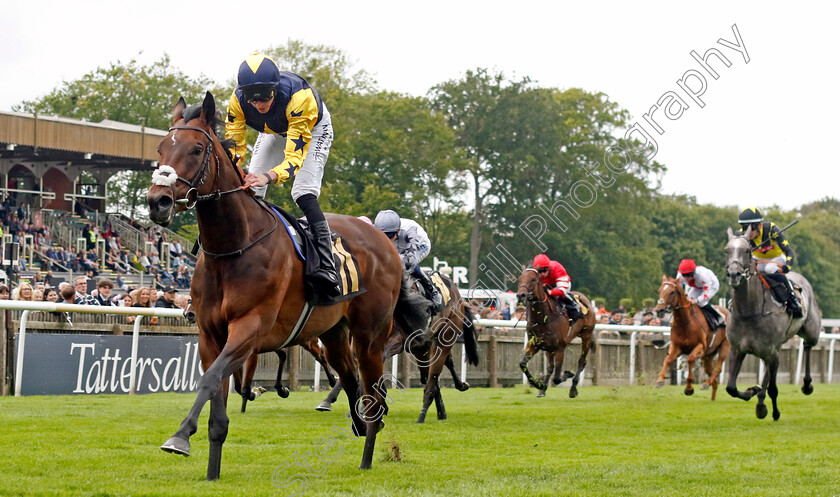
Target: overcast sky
761 138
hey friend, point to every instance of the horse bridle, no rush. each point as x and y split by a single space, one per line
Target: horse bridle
746 271
671 307
192 197
529 294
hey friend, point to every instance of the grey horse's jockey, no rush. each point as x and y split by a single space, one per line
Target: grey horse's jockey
413 245
294 142
702 285
773 256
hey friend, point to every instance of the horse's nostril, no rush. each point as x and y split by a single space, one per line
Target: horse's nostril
164 202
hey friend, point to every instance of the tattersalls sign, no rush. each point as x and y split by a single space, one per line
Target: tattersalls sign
57 364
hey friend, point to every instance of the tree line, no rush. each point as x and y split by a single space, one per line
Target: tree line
474 161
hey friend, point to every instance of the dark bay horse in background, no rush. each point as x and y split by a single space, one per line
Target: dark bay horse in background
242 379
759 325
430 349
248 291
690 335
549 331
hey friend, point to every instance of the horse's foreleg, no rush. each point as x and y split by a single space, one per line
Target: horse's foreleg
807 387
772 389
530 350
461 386
432 390
585 344
735 360
229 360
760 408
326 404
340 357
282 391
217 430
371 408
673 353
695 353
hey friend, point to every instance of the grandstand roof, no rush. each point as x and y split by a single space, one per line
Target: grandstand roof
107 144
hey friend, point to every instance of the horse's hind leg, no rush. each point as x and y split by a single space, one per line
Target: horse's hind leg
340 357
549 358
735 360
314 348
807 387
585 344
282 391
559 375
695 353
368 349
245 385
760 407
461 386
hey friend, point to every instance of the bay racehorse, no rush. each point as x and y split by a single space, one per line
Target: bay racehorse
248 291
759 325
690 335
549 331
242 379
430 349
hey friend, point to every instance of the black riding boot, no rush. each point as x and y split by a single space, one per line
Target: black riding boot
432 292
712 317
326 276
784 294
572 307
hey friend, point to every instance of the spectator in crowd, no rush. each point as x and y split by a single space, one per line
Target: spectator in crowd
183 278
22 292
604 319
69 295
647 318
615 316
37 295
4 292
142 298
50 295
167 300
103 289
82 297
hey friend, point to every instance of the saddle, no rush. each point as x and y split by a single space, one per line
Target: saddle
347 266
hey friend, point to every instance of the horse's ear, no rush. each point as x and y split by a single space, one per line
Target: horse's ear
664 277
747 233
208 108
729 232
178 111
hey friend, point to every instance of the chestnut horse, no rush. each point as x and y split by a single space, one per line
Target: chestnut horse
242 385
690 335
549 331
248 291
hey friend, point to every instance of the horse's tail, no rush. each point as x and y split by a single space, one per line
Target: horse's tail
470 343
412 311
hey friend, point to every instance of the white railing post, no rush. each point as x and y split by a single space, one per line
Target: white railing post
135 344
21 345
463 362
799 357
525 346
633 338
760 371
316 382
830 360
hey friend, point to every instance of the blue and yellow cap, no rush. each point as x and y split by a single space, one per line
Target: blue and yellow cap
258 75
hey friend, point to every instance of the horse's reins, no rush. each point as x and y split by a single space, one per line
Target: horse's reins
192 197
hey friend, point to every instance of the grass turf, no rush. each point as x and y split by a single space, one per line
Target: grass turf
609 441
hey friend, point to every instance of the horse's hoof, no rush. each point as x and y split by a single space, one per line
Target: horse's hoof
659 384
761 411
464 387
324 407
776 415
381 425
573 393
176 445
704 386
540 394
283 392
442 417
808 389
689 392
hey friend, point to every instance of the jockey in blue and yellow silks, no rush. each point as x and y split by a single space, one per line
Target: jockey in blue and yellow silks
294 142
772 254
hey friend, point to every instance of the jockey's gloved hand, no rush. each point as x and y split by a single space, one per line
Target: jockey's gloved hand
785 269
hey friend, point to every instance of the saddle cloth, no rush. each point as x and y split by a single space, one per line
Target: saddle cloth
437 280
346 264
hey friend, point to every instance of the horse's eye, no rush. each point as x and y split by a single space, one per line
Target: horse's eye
197 150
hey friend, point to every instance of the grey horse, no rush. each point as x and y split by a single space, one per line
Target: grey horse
759 325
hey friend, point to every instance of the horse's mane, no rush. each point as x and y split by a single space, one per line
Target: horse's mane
194 112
